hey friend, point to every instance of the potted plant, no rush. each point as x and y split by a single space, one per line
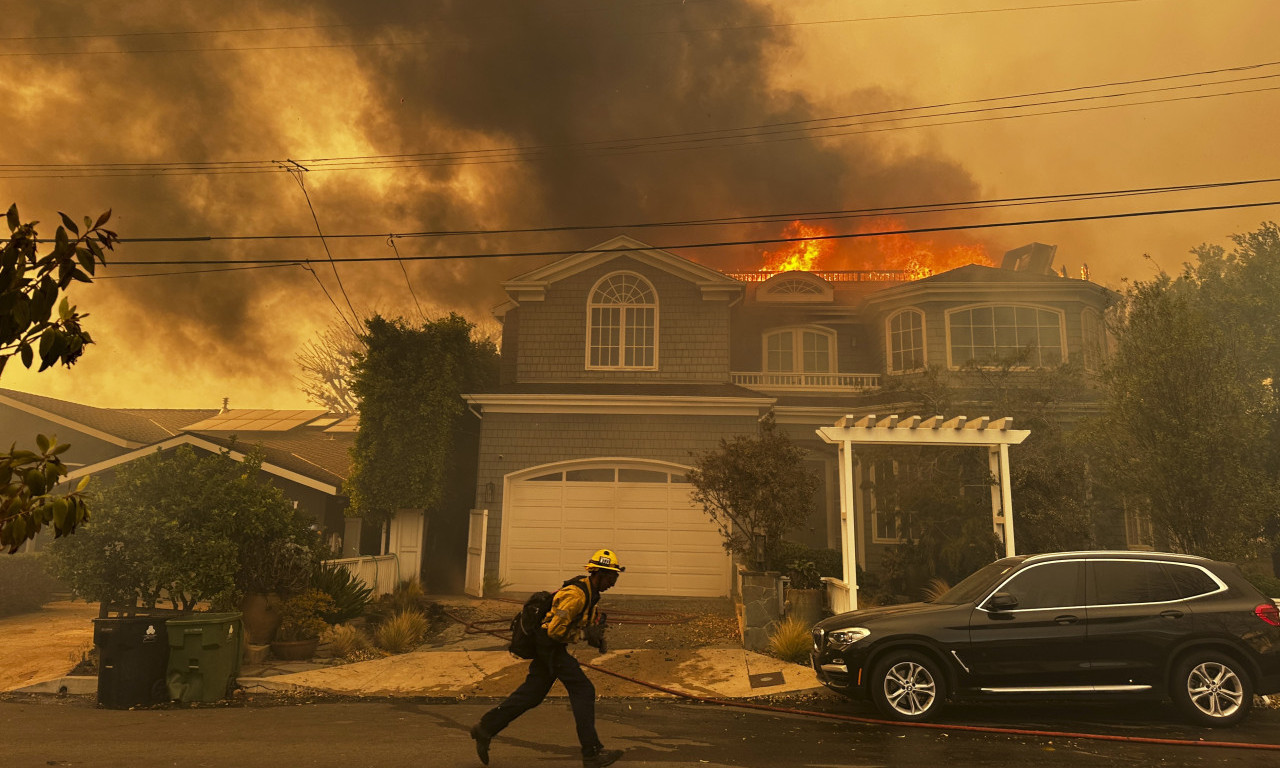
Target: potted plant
301 625
271 568
804 594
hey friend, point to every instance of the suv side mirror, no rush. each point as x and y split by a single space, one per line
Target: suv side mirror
1002 601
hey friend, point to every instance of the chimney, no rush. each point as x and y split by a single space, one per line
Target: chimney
225 402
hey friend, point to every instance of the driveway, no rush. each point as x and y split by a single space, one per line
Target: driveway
44 644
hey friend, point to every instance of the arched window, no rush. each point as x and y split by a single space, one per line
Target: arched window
906 341
800 350
992 334
622 323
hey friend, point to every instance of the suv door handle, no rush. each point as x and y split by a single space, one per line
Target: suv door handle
1067 619
1171 614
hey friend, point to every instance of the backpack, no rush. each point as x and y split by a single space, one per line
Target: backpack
526 623
529 620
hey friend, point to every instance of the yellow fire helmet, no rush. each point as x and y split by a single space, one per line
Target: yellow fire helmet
605 560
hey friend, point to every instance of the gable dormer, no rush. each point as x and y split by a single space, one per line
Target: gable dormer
621 311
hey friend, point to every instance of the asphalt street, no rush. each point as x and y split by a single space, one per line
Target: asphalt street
46 731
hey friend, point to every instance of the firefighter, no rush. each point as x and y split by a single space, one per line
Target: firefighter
572 614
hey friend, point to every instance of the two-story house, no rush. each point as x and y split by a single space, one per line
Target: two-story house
621 364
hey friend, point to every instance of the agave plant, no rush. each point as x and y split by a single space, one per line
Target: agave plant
349 593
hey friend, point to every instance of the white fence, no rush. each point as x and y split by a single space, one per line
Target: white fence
381 573
838 597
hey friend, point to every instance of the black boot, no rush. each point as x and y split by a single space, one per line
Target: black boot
601 757
482 744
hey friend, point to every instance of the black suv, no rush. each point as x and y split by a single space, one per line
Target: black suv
1142 624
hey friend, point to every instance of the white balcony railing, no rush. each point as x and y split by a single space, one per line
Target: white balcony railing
808 382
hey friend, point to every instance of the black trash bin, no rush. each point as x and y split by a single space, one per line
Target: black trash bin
133 654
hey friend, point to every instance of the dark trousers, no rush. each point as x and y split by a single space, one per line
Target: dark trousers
554 662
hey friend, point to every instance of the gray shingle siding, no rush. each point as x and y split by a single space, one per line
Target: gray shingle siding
693 334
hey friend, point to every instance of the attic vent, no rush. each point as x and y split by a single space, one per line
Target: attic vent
796 286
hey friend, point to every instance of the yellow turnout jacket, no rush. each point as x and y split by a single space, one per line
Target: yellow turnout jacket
572 608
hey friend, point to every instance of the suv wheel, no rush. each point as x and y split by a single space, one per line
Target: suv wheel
1212 688
907 686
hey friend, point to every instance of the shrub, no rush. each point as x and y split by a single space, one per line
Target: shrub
183 526
934 589
349 593
790 640
406 596
348 641
300 616
494 585
828 562
402 632
24 584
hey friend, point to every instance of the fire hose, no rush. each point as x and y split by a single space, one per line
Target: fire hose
474 628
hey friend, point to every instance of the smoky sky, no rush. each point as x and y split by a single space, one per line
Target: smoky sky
380 77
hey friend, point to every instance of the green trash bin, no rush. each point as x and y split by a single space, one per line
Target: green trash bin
204 655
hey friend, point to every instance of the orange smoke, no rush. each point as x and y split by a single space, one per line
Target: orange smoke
918 257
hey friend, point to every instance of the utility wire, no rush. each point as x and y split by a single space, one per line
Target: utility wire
729 243
598 34
809 129
391 241
760 218
296 172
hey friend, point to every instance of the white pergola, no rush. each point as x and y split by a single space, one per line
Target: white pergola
996 434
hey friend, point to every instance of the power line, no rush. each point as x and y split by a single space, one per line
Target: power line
296 172
607 34
758 218
730 137
727 243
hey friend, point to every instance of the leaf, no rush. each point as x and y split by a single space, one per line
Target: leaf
43 442
84 483
82 277
103 218
27 354
12 216
69 224
61 241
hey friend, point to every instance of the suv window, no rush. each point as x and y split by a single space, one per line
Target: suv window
1123 582
1190 581
1050 585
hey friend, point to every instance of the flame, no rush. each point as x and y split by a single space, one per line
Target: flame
802 255
917 257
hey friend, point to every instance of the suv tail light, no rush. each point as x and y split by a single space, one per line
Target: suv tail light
1269 613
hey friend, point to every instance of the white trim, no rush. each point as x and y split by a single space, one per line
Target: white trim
622 324
531 286
66 422
888 342
1062 326
622 404
197 442
766 293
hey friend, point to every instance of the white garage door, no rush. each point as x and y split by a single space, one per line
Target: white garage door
552 522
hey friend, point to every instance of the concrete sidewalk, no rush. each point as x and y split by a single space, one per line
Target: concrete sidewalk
459 666
462 674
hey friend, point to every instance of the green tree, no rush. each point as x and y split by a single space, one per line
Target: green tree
186 527
1193 415
756 488
30 287
410 382
940 498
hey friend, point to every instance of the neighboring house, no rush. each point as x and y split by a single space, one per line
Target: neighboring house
306 453
621 364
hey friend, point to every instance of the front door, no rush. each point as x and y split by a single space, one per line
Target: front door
1037 644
